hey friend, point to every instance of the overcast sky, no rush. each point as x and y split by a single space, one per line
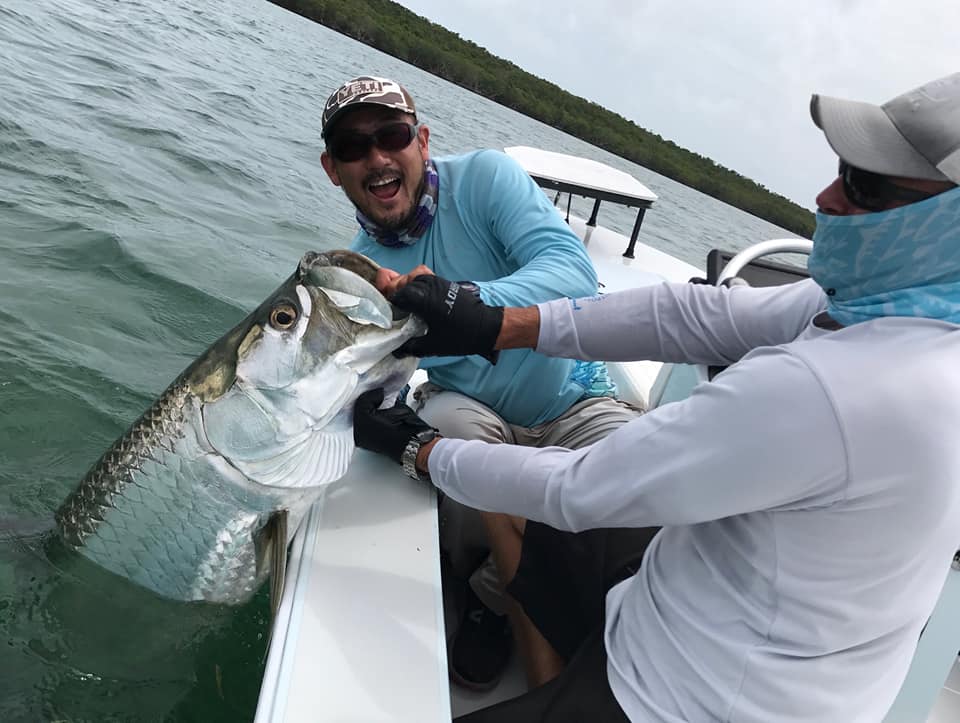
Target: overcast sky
730 80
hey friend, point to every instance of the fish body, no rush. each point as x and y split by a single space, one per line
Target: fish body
209 484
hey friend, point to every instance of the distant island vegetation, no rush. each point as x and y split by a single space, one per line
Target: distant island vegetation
393 29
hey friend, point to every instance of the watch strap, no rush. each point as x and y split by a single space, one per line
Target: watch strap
408 459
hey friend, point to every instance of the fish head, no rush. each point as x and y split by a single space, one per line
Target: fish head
277 391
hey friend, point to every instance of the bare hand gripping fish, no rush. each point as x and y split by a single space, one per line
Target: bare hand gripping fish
202 494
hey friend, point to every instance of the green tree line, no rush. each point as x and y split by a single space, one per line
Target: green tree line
393 29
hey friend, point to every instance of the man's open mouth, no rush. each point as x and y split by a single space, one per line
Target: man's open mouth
384 188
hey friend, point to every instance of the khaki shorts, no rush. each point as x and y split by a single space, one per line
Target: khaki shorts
456 415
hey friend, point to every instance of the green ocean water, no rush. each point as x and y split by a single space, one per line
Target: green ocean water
159 176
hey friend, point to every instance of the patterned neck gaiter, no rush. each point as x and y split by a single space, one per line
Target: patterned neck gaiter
901 262
422 218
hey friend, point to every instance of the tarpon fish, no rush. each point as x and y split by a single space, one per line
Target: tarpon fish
200 497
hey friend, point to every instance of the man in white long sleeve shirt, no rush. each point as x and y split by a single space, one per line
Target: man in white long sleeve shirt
809 495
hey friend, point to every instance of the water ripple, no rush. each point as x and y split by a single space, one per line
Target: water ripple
100 63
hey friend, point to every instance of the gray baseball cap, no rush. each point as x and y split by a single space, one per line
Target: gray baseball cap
915 135
365 90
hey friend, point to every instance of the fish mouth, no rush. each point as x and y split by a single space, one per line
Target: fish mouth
359 264
364 267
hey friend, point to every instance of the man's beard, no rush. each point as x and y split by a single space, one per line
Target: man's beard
400 223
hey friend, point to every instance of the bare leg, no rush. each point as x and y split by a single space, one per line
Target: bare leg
505 534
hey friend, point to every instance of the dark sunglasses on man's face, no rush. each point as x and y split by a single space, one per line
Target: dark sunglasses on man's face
873 191
350 146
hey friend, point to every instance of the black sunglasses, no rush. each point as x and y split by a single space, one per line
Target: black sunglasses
350 146
873 191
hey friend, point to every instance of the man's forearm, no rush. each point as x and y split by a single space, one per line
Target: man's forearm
520 329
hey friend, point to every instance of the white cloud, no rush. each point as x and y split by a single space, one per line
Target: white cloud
732 80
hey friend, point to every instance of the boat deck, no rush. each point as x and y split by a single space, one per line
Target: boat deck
359 634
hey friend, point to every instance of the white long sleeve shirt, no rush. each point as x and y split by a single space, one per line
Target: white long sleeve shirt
810 498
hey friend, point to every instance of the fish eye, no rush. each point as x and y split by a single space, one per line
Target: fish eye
283 317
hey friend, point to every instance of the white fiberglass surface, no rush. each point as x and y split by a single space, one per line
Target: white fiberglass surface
362 637
580 171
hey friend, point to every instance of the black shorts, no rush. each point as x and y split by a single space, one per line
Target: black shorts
562 583
563 578
580 694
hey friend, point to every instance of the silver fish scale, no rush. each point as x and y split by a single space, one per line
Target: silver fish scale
157 502
87 505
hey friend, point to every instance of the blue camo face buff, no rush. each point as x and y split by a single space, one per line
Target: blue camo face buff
901 262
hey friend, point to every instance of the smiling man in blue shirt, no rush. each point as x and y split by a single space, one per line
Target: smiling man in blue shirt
480 219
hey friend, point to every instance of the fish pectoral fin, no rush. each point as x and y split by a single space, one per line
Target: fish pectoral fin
275 536
278 561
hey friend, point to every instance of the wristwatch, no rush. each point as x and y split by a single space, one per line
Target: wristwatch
409 457
469 286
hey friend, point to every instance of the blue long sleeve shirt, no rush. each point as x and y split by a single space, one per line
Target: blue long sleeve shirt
496 228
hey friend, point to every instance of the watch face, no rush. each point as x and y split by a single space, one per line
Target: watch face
471 287
425 436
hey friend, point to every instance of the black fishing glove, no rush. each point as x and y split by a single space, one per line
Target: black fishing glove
459 323
387 431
